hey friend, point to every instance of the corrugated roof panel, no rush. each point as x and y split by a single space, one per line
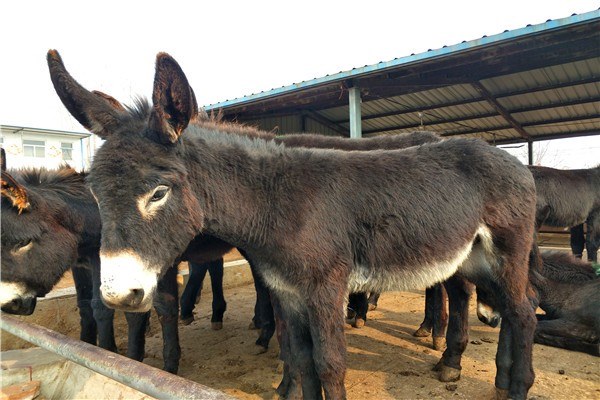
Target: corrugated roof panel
552 97
564 127
536 78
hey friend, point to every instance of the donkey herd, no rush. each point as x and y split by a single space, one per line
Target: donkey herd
318 218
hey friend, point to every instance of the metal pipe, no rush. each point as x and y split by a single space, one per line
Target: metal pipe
144 378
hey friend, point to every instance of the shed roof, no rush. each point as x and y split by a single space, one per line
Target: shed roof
10 129
532 83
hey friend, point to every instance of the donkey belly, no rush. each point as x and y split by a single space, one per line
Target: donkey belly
418 275
472 260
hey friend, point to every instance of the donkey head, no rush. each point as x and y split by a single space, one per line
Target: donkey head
140 180
37 244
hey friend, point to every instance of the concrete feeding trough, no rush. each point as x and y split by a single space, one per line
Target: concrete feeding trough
61 378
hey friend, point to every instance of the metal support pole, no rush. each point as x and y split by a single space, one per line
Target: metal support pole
530 152
355 119
144 378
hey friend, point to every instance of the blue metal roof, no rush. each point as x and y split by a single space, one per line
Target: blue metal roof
465 46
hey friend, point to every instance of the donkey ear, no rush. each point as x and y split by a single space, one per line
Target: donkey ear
16 193
92 111
174 103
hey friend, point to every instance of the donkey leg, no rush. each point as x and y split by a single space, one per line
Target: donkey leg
568 335
191 292
361 311
284 346
577 240
325 312
373 299
593 237
137 324
167 308
440 317
522 322
219 305
358 303
427 324
82 278
459 291
301 362
503 361
264 318
103 315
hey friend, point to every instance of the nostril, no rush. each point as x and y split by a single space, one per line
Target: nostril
137 295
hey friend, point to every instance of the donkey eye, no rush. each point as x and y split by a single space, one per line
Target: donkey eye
23 245
159 193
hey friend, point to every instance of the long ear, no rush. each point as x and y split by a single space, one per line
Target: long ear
92 111
14 192
173 100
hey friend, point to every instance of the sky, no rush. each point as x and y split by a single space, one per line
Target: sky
230 49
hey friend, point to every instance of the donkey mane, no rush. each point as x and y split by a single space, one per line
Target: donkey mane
140 111
63 181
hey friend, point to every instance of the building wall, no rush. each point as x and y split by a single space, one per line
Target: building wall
53 157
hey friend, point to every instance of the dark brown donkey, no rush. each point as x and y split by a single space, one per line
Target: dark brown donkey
315 222
50 223
568 291
568 198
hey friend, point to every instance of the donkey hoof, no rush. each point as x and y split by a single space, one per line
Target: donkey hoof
449 374
359 323
438 367
372 307
501 394
187 321
216 326
260 349
439 343
171 369
422 332
347 326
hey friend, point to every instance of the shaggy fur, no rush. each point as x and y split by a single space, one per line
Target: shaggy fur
315 222
63 226
567 198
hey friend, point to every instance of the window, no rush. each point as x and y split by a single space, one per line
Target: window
67 150
34 148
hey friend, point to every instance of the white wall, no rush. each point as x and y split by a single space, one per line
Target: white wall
15 157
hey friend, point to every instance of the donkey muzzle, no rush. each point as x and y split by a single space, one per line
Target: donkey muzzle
22 305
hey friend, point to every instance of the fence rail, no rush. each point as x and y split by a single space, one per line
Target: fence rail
144 378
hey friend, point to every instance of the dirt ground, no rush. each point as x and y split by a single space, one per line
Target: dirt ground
385 361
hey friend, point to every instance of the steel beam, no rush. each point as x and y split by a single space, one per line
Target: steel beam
355 120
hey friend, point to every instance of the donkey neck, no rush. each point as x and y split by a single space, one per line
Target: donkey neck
247 188
66 196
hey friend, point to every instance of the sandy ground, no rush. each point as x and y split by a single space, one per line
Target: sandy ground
385 361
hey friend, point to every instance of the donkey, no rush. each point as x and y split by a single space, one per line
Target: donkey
569 198
568 290
436 316
317 222
50 222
